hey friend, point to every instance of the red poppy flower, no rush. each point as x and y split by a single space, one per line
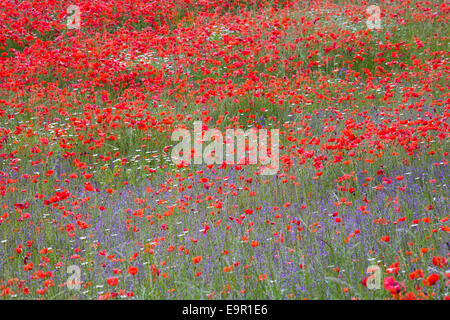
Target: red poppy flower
112 281
196 259
431 280
132 270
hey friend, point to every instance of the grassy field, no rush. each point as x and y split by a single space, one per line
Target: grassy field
93 207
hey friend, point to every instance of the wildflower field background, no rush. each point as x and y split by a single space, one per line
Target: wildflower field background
92 207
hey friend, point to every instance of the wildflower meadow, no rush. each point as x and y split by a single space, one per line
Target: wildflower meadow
224 149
